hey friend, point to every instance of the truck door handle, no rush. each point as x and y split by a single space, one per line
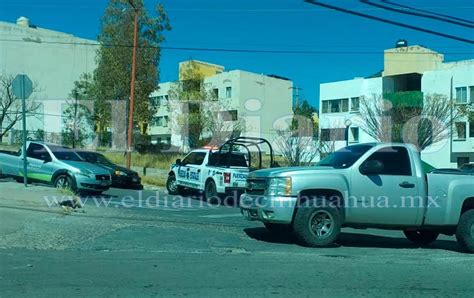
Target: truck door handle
407 185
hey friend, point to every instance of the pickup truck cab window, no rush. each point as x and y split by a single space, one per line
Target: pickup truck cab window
395 160
224 159
63 153
194 158
38 151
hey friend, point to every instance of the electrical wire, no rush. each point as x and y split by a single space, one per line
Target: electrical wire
233 50
347 11
422 15
429 12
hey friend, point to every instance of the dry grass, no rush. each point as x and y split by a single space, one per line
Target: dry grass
154 180
9 147
159 161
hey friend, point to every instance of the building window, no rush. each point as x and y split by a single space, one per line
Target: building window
215 93
471 94
333 134
461 130
165 121
229 115
325 108
168 140
355 104
354 136
336 105
471 129
345 105
461 95
228 92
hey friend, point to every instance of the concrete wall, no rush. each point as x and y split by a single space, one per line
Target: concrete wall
202 69
53 60
412 59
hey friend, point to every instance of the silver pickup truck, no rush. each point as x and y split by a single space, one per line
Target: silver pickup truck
56 165
363 186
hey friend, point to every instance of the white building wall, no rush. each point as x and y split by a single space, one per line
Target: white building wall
260 100
53 60
358 87
433 82
439 82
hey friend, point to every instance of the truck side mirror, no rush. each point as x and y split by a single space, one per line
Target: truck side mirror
371 167
178 162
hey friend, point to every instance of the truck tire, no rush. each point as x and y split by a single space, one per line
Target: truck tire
465 231
278 229
210 192
172 187
317 226
63 181
421 237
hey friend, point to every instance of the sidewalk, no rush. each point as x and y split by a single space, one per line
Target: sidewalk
13 194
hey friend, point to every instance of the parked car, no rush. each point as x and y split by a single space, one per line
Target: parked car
217 171
363 186
55 165
121 177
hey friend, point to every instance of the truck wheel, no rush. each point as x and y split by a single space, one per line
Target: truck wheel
465 231
278 229
317 226
64 182
172 186
210 192
421 237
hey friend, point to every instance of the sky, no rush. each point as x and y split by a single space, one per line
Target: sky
352 46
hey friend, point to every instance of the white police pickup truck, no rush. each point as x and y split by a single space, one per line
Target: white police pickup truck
217 171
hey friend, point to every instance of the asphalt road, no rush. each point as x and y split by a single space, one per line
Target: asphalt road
145 244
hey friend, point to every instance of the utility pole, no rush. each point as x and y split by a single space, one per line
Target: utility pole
132 85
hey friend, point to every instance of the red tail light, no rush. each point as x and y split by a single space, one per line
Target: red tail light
226 177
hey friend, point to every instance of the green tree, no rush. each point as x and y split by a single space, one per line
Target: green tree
77 117
304 111
113 74
192 93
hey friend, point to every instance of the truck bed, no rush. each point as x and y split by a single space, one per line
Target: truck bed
13 153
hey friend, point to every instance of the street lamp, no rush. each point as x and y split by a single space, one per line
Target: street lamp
348 124
132 85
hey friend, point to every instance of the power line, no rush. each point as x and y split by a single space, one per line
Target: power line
422 15
233 50
429 12
347 11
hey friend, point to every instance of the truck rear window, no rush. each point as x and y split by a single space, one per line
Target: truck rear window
223 159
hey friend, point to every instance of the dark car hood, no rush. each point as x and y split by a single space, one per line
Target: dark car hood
113 168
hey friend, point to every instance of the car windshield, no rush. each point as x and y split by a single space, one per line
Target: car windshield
93 157
344 157
64 153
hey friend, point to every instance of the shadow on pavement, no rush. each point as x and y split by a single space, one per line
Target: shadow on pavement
354 240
